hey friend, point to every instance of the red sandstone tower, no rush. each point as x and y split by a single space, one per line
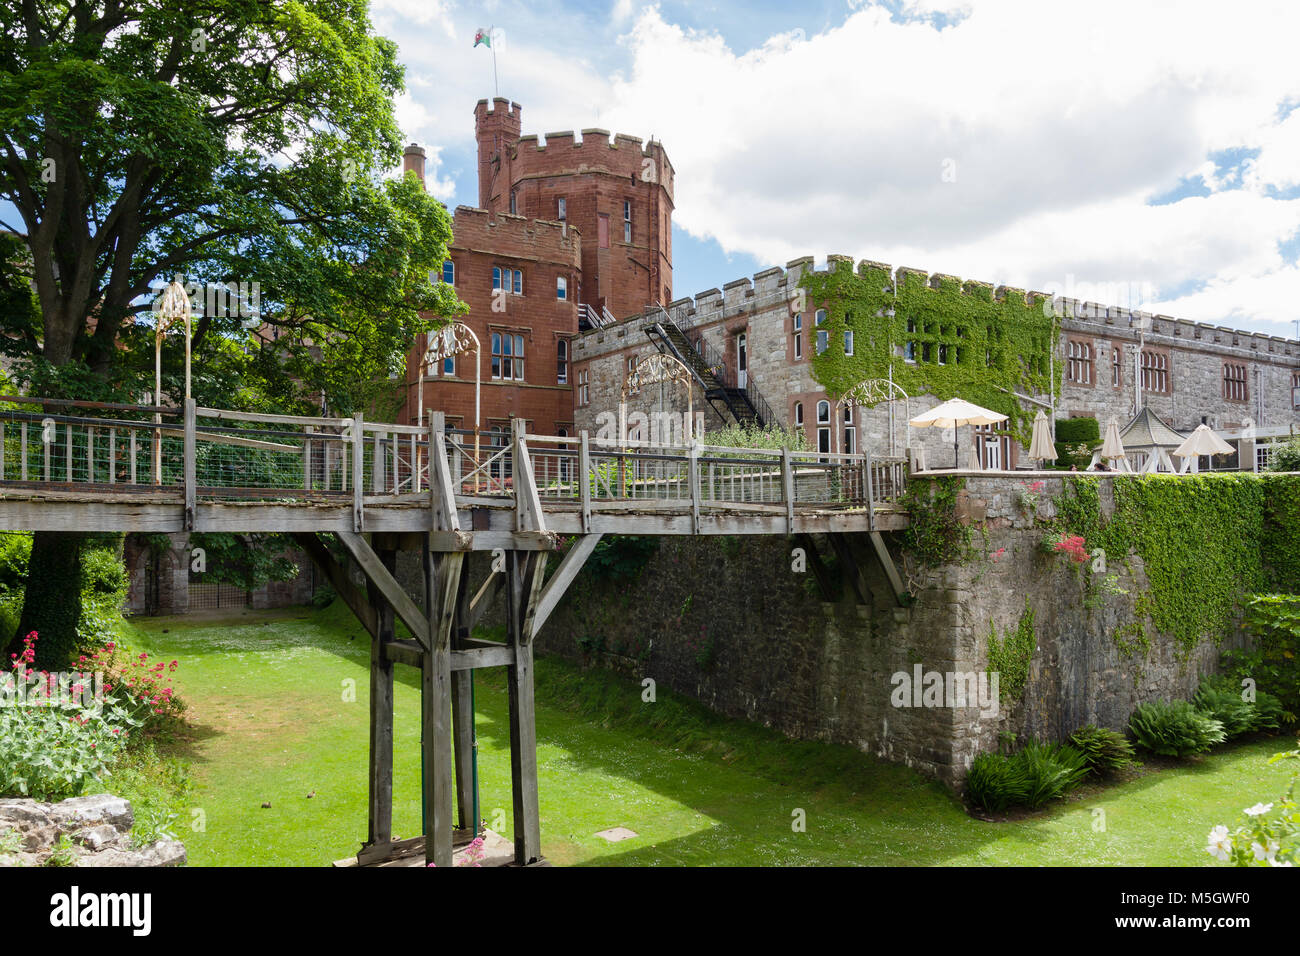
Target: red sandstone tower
619 196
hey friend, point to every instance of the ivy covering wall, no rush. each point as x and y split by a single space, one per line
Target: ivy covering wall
957 339
1205 540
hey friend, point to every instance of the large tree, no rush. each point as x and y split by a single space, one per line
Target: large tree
226 141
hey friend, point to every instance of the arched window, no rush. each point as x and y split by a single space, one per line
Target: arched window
798 414
823 412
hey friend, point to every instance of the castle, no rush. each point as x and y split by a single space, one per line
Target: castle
567 269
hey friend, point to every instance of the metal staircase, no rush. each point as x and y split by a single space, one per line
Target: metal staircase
746 406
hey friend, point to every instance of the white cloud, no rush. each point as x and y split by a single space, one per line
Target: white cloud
1061 121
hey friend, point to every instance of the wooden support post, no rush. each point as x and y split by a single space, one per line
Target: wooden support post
381 720
585 480
462 709
528 505
191 445
820 571
358 473
871 498
112 456
901 594
523 583
441 578
693 466
67 467
564 575
133 456
306 457
787 485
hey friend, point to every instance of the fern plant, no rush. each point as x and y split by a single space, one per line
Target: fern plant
1105 751
1175 729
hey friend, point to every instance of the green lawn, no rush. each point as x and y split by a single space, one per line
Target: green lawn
274 720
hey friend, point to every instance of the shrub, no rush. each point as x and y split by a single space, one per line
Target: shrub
1050 771
1220 700
1174 729
1030 778
1076 430
1274 663
1285 456
1105 751
995 783
51 748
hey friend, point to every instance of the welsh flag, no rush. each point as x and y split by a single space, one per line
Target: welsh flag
484 36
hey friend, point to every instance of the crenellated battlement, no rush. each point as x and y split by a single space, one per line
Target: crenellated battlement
775 286
543 239
592 150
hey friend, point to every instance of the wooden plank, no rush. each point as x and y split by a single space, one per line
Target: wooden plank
407 610
486 596
222 414
190 463
358 474
820 571
584 490
523 573
442 491
528 506
381 719
871 498
410 653
464 738
441 576
564 575
901 594
476 657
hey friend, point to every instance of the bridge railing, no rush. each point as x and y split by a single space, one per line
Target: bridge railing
258 456
63 443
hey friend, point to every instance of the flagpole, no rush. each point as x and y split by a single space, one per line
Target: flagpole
496 89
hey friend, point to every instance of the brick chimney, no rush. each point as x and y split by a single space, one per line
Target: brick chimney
413 161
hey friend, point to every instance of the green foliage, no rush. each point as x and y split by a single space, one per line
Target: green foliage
933 534
1009 658
1285 456
1220 700
1105 751
51 753
620 558
1050 770
247 561
1036 775
159 789
1174 729
1280 544
772 438
995 783
62 853
988 344
1203 540
1077 430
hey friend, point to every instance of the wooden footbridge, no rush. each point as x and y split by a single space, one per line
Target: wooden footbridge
383 488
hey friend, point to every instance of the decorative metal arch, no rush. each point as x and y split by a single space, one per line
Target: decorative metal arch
872 391
451 340
654 370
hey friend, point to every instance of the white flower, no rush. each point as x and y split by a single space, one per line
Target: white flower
1266 852
1220 843
1273 862
1257 809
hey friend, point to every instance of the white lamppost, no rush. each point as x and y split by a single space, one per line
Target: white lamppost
172 305
449 341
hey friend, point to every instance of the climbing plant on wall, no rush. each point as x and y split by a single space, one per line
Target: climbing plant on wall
949 339
1204 540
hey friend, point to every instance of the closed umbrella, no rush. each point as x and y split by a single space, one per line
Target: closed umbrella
951 414
1202 441
1041 446
1112 446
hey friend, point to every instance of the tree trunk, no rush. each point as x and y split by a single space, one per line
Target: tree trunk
52 600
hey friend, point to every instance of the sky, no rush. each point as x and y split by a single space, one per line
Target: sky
1138 153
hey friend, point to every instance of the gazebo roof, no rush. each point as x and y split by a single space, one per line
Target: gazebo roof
1146 430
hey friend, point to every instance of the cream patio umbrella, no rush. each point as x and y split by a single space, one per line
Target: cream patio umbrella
951 414
1111 450
1202 441
1041 446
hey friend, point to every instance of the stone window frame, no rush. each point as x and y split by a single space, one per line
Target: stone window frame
1235 381
1116 365
794 348
1157 364
1081 359
517 364
583 384
1295 389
